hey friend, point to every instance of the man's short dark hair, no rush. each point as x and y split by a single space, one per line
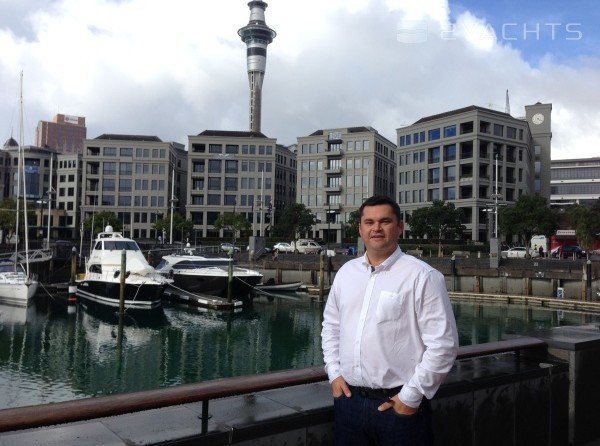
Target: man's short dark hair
377 200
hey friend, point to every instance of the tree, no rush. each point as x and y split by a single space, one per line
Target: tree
439 221
181 226
586 222
8 215
295 219
529 215
232 222
101 220
351 226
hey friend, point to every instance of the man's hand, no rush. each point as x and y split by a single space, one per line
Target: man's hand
339 387
397 405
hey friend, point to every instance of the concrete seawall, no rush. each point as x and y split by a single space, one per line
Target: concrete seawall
572 279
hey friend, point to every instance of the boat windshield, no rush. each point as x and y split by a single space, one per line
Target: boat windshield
112 245
205 263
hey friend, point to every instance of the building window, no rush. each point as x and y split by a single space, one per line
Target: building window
450 152
214 166
231 184
126 151
125 168
449 193
231 166
125 185
215 148
108 184
214 200
434 155
450 131
109 151
434 134
198 200
434 175
498 130
214 183
109 168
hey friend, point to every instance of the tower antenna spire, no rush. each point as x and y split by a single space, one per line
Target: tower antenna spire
257 36
507 107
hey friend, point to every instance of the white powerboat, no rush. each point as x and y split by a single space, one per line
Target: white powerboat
207 275
101 283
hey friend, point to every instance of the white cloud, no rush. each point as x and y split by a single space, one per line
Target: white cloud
177 68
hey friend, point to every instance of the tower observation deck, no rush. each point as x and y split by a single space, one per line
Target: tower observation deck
257 36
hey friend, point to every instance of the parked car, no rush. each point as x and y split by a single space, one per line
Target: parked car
304 246
352 250
226 247
570 251
520 252
283 247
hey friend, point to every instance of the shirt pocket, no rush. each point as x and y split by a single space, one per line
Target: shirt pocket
389 307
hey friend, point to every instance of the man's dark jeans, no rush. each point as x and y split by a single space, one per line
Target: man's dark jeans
359 423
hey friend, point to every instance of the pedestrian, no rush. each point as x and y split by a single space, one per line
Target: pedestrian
275 254
541 251
389 337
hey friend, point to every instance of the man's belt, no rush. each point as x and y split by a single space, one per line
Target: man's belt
375 394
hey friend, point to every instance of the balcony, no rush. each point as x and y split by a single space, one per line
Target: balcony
333 188
333 152
333 170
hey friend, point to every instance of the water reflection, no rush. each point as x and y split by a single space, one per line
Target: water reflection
48 354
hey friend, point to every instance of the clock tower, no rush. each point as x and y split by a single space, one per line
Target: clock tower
539 118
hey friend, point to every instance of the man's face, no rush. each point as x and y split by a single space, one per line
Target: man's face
379 228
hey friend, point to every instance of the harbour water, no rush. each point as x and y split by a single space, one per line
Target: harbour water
50 354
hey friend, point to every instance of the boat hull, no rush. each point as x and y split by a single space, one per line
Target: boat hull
19 293
137 295
215 285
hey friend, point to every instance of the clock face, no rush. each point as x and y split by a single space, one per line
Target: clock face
538 118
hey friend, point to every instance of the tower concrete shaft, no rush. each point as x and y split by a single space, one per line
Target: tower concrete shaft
257 36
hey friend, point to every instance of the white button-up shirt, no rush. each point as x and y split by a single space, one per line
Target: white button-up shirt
389 326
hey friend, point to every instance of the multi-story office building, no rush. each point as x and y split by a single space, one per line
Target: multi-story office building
285 179
476 158
65 133
240 172
338 169
39 165
67 194
139 178
575 181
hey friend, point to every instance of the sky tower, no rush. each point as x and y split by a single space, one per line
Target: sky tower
257 36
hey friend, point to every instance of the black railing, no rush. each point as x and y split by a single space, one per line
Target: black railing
91 408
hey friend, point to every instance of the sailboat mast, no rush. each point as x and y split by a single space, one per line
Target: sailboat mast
18 194
21 171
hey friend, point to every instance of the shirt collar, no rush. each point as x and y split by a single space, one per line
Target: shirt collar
386 263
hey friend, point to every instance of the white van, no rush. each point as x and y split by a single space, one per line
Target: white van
540 240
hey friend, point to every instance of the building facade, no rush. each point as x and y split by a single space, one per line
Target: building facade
139 178
337 170
575 181
65 133
39 165
476 158
66 193
239 172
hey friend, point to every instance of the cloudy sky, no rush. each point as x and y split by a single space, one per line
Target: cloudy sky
176 68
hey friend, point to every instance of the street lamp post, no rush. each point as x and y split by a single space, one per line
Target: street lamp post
233 223
328 223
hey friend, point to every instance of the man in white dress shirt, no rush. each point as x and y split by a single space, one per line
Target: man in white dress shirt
389 337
